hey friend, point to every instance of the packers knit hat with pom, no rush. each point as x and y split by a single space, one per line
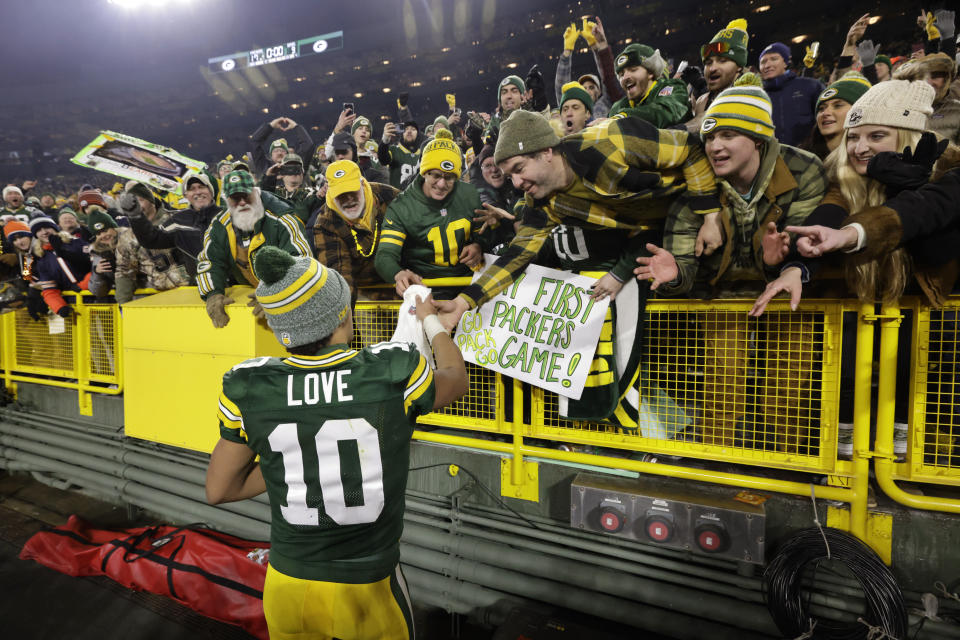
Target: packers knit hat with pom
896 103
575 91
304 301
441 153
522 133
730 43
746 109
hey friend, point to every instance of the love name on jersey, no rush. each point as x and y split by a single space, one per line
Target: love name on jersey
330 383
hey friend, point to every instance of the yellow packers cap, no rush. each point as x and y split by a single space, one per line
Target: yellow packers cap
343 176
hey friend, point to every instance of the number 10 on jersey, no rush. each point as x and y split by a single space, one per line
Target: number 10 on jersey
283 440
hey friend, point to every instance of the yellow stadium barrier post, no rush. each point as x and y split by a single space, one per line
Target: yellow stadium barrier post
81 356
8 326
863 378
884 459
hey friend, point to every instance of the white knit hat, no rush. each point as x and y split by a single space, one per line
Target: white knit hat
895 103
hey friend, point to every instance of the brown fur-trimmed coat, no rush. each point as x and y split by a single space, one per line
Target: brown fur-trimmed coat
926 222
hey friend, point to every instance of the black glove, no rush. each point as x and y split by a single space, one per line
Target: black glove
402 98
65 312
129 205
36 307
694 77
908 170
537 88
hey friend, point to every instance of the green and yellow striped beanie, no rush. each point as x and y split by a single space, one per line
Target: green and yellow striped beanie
746 109
575 91
304 300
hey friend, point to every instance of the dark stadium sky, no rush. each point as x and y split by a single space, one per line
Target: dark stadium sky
78 46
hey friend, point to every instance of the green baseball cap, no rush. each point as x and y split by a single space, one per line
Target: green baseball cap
238 182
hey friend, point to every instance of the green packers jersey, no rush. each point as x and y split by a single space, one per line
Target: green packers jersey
426 236
333 435
403 163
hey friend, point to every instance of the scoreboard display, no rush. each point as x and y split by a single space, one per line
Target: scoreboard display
277 53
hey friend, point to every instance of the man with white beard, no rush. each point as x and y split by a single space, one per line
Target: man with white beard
234 236
347 230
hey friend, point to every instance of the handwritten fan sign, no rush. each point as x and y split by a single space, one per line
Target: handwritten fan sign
542 330
137 159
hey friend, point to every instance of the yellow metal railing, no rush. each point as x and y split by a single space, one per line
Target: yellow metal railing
704 391
82 352
713 384
931 456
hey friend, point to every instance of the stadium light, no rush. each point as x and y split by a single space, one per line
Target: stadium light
874 19
762 8
143 4
799 39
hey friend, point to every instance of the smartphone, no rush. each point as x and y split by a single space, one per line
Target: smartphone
457 111
348 106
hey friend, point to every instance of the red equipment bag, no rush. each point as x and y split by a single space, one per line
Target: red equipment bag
215 574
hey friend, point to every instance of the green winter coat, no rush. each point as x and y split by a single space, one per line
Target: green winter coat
665 104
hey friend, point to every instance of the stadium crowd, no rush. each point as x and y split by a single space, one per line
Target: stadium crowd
729 177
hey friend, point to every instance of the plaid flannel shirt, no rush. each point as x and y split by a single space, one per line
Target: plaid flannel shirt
627 173
337 249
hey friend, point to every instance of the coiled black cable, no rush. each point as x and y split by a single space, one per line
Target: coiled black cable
808 547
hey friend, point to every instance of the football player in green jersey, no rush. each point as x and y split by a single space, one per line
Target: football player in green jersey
331 426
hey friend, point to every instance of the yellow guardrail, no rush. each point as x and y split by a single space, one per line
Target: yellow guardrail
82 352
931 455
713 384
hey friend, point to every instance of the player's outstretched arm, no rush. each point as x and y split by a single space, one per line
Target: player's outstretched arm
450 378
233 474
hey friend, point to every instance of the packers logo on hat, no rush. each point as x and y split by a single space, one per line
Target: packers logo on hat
621 60
234 178
708 124
505 82
97 226
446 165
339 173
829 93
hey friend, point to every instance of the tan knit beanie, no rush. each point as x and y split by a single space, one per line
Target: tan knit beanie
896 103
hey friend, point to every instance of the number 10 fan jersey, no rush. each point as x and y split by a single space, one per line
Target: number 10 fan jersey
333 435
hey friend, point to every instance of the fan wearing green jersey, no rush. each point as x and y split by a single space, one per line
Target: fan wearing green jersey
332 427
428 231
402 156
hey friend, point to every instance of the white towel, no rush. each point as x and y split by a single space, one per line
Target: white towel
409 328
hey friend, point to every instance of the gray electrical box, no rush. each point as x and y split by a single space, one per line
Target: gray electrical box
640 510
